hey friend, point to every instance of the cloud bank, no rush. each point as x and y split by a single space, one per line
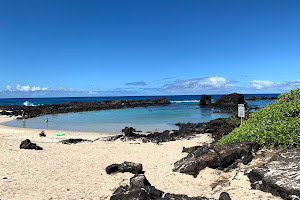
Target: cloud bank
213 84
276 86
202 85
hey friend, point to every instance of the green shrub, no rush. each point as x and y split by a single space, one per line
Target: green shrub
278 124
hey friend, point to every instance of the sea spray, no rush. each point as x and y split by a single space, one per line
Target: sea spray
28 103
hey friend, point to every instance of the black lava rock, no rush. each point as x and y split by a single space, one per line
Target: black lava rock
27 144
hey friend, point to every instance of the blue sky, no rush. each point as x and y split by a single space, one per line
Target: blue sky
148 47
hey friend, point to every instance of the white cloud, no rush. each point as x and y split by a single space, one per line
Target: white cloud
259 84
276 86
215 84
9 88
26 88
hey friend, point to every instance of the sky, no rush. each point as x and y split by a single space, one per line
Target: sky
51 48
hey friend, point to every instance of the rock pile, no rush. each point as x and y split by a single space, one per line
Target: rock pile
223 157
141 189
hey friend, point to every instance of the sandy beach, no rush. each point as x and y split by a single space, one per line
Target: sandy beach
77 171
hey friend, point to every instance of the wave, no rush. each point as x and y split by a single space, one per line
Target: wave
28 103
186 101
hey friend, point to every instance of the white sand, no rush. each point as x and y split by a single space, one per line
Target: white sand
77 171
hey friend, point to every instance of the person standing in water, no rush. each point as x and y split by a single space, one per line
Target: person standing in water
46 121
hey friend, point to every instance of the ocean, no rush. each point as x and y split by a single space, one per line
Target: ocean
183 109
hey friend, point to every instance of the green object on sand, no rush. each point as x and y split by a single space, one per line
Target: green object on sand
58 134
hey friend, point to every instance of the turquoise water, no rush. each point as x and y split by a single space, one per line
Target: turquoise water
113 121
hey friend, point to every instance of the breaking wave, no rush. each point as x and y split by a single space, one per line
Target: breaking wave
185 101
28 103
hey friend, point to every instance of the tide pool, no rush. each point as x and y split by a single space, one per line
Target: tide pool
113 121
183 109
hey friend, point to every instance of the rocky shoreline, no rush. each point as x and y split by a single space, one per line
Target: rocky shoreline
39 110
279 175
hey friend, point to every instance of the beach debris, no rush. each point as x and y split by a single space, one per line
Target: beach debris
224 157
140 188
135 168
224 196
27 144
74 141
280 175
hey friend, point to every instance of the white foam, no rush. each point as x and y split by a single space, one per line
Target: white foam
28 103
185 101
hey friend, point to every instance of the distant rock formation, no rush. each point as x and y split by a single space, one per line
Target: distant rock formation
39 110
230 102
205 100
280 175
260 98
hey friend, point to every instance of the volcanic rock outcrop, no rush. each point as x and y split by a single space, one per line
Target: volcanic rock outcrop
39 110
217 127
205 100
280 175
229 102
260 98
223 157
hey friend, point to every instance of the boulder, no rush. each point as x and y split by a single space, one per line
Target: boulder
27 144
224 196
135 168
128 132
280 175
139 180
223 157
112 168
205 100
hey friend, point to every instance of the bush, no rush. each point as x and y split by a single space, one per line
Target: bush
278 124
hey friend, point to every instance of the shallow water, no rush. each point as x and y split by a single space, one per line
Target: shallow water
161 118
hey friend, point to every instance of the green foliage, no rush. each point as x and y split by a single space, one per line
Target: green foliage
235 121
278 124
